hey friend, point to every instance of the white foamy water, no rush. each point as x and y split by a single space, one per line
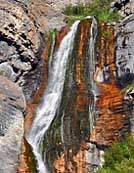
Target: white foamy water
93 35
50 103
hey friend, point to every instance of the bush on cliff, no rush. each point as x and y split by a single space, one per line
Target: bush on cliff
120 157
98 8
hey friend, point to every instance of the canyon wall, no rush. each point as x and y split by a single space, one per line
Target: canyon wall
93 112
24 30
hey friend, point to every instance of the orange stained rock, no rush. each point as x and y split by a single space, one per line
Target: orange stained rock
69 162
83 33
63 166
110 118
24 159
60 35
31 107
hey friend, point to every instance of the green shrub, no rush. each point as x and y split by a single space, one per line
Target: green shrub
75 9
98 8
71 19
119 158
130 86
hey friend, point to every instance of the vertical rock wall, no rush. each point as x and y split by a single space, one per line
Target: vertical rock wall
12 107
69 144
69 138
125 59
111 115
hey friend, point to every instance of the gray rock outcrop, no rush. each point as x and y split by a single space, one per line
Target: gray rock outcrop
126 7
125 50
12 107
124 54
23 29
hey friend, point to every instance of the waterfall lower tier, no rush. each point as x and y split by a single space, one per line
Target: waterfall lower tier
49 105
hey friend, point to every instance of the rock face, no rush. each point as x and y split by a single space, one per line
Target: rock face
125 50
78 136
125 61
23 27
19 41
12 107
126 7
129 100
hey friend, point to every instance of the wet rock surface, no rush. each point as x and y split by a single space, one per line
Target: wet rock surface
12 107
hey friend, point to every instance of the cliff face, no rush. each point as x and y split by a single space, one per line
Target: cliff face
93 112
22 31
12 107
126 7
125 59
23 34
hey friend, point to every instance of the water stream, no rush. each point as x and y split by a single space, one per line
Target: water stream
50 103
92 41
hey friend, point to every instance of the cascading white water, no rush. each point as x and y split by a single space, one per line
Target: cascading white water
93 35
52 97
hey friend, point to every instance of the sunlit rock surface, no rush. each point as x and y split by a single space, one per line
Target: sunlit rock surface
93 113
23 31
12 107
125 61
125 50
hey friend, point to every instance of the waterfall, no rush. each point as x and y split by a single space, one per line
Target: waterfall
93 35
50 103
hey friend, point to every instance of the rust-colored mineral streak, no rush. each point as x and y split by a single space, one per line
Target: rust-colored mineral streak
76 162
111 116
